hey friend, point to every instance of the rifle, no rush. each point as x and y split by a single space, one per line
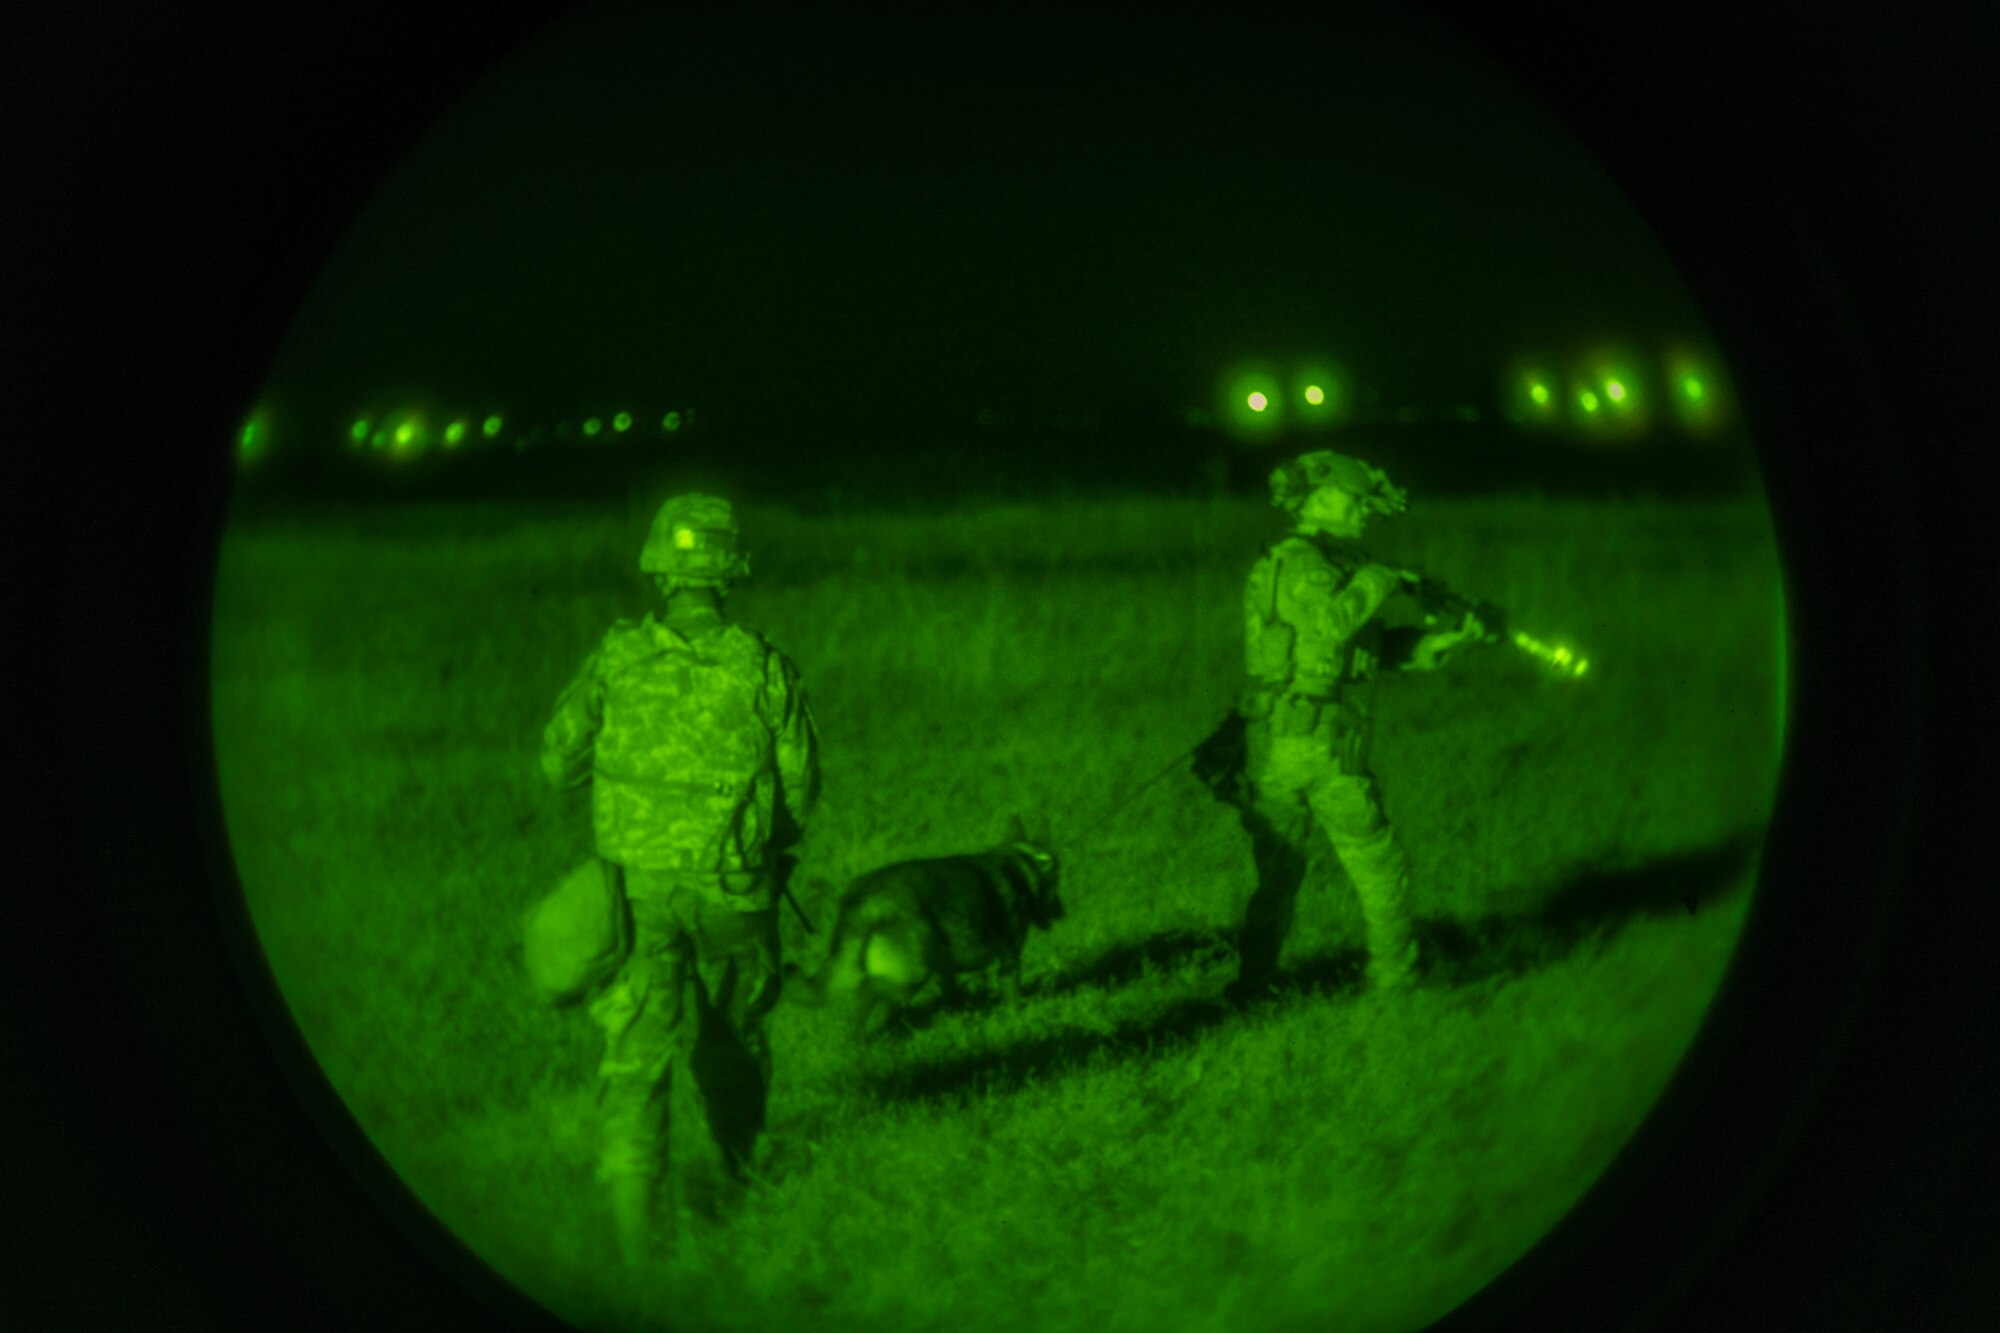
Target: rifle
1441 603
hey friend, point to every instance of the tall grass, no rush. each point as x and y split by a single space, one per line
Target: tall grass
1115 1152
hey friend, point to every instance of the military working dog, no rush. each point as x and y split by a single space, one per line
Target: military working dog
907 925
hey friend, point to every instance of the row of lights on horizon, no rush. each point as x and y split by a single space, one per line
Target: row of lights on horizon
1607 400
405 435
1610 401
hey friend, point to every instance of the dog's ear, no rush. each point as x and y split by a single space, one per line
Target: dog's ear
1015 833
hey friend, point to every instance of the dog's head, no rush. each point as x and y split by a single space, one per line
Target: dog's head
1044 874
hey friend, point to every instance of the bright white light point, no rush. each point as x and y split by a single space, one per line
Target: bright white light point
1258 402
1315 395
1615 390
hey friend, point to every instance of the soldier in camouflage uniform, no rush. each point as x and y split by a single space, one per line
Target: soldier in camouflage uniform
694 736
1312 647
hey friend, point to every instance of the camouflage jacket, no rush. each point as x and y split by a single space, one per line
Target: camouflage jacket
695 737
1310 627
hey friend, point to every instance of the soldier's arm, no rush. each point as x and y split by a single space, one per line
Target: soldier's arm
1340 611
794 739
571 736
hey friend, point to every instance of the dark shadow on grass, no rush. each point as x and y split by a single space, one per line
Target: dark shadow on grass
1595 904
1122 964
1006 1068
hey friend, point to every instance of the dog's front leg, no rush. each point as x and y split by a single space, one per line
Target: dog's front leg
1010 979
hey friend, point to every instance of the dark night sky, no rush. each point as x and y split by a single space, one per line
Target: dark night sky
830 219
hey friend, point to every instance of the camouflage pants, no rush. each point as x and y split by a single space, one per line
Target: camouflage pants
692 996
1297 784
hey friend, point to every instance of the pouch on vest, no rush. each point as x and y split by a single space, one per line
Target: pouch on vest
1294 715
575 939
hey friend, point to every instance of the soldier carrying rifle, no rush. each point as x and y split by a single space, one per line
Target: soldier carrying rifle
1294 754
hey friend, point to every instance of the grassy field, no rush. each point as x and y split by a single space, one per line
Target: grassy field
1118 1152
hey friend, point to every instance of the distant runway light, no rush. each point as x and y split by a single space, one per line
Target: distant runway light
592 425
1693 387
454 433
493 425
1588 399
358 432
1615 390
671 421
1258 402
1315 395
1539 392
622 422
406 432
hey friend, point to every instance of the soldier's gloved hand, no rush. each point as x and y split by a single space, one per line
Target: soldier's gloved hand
1433 648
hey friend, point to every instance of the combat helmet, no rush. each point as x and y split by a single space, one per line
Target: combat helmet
694 543
1292 483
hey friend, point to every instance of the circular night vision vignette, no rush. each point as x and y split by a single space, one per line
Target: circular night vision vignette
1318 387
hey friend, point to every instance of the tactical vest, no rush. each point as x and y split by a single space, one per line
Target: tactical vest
682 771
1285 650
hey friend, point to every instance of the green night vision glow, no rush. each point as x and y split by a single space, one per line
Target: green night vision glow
1693 387
1588 399
1554 655
493 425
671 421
592 425
454 433
622 422
1257 402
380 439
1315 395
406 433
1615 390
1539 393
253 441
358 432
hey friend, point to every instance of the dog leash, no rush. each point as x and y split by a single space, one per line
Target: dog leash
1134 794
